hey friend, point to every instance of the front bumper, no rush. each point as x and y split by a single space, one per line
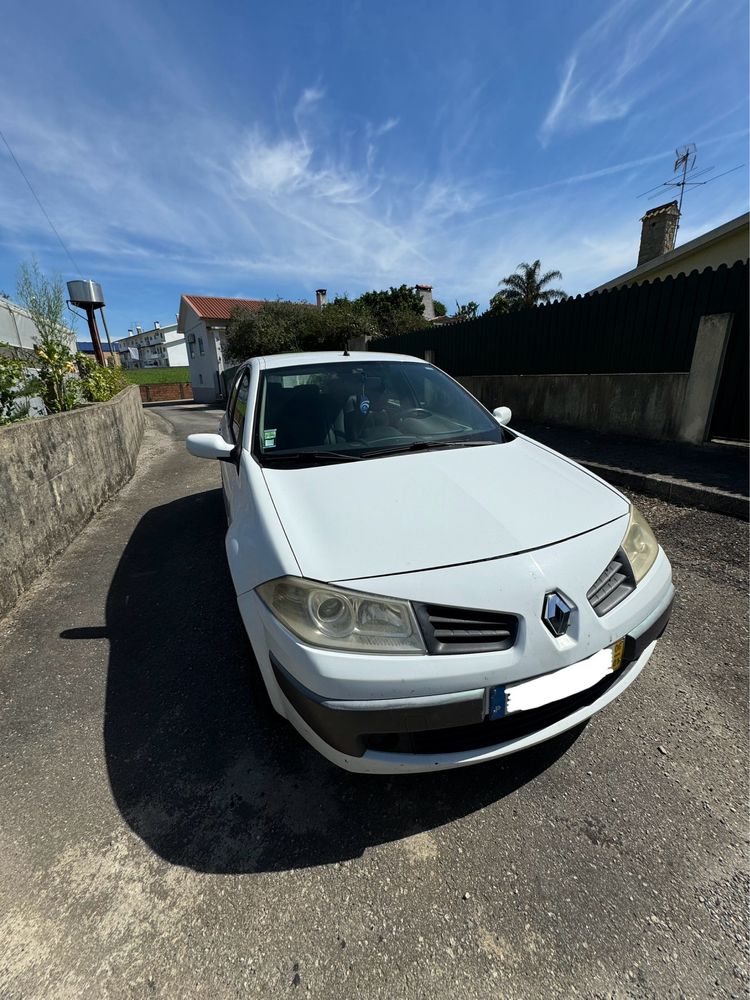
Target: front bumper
353 728
400 712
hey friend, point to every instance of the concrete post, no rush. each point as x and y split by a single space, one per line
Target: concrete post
705 373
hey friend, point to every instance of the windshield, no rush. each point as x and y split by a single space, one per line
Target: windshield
342 411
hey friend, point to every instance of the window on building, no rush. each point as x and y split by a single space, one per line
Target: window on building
201 349
192 350
200 378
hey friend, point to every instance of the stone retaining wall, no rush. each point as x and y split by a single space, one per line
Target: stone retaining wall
55 472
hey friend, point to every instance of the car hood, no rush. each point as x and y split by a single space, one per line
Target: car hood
411 512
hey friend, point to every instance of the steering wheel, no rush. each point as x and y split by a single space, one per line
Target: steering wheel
419 413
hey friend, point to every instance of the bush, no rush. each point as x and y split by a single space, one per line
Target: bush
98 384
45 300
13 389
56 382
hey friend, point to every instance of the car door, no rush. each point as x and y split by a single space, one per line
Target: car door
232 427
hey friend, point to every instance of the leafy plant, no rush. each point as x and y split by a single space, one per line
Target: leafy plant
56 382
44 299
468 310
98 384
13 388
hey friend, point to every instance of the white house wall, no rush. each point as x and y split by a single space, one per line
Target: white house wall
203 367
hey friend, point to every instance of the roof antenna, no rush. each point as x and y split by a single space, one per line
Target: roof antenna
684 176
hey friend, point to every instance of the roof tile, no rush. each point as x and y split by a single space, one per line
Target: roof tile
210 307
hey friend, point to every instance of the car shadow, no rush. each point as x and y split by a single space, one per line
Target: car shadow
207 778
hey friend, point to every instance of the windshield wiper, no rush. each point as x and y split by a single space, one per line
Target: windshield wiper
310 456
425 446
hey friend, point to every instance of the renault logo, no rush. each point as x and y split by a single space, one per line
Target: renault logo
556 613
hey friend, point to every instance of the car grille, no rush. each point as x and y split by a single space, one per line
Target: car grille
465 630
613 586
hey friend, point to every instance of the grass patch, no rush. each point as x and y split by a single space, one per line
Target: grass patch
157 376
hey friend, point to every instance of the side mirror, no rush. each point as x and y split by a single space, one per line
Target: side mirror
502 414
210 446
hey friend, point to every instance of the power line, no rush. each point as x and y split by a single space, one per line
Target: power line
41 206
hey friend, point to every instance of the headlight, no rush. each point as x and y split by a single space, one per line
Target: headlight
342 619
639 545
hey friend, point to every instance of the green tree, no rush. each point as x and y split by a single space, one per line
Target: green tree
499 304
525 287
468 310
275 328
44 299
344 320
439 308
395 311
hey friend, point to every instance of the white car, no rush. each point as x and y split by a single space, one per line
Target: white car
424 587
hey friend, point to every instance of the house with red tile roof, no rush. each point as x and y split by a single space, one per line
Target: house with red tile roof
203 321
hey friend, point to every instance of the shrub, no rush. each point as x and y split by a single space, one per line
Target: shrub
98 384
13 389
45 300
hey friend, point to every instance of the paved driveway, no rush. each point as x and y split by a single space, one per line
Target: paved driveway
161 837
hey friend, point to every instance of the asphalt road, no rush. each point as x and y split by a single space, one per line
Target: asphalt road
162 837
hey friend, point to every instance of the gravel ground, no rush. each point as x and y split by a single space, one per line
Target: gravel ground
162 837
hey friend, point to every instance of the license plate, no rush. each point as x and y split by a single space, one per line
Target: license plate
506 699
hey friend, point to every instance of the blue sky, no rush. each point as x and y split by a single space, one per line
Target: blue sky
268 149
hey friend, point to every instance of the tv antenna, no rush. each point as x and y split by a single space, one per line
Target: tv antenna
685 176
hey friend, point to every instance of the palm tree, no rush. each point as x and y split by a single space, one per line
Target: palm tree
525 288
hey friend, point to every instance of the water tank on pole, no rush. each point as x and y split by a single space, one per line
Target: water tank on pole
86 293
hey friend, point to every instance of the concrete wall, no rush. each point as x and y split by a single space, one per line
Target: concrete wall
56 472
641 405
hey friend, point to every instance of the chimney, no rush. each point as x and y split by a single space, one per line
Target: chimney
139 329
130 333
157 325
425 294
321 297
658 231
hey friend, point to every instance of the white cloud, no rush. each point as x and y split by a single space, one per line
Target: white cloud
214 204
271 168
600 81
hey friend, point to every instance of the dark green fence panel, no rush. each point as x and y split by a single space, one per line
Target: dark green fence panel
643 328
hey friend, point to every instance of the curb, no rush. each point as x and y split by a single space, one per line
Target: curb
683 494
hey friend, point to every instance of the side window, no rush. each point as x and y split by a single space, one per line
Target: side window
237 416
233 396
